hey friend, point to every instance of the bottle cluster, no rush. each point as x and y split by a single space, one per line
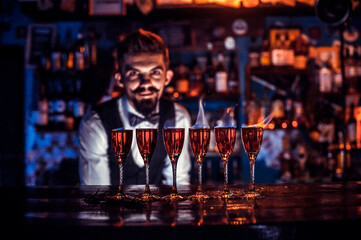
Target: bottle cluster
280 48
330 75
62 71
212 73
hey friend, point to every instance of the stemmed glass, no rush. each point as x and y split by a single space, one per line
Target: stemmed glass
173 141
146 141
199 140
225 139
122 142
252 141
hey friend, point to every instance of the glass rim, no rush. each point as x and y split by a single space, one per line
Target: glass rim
121 129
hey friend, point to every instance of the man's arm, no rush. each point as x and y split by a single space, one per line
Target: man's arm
93 157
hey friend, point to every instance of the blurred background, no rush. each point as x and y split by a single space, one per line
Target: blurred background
297 59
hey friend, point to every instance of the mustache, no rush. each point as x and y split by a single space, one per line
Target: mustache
142 89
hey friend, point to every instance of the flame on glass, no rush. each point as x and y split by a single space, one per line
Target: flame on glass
262 124
227 119
201 119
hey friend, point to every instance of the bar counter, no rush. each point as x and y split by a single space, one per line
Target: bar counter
286 211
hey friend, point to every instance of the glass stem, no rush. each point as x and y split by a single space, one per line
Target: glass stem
147 189
252 160
120 164
225 170
199 163
174 168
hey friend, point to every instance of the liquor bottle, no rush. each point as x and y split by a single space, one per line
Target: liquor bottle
233 75
277 52
80 61
351 126
301 52
265 58
337 80
93 48
350 70
56 55
209 74
278 111
288 51
253 53
358 68
42 112
196 86
69 50
57 106
46 60
289 112
221 85
325 78
182 79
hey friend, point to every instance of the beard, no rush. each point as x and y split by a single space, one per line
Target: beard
146 106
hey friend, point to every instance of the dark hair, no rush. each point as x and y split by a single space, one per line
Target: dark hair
142 41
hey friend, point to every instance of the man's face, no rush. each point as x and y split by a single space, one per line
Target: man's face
144 77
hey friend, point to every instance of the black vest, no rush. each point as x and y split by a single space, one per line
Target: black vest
132 174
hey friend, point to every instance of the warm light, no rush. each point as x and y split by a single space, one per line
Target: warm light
228 3
294 124
357 114
284 125
271 126
82 49
70 62
193 92
250 3
348 146
176 94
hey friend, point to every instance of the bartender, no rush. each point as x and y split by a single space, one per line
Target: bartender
144 69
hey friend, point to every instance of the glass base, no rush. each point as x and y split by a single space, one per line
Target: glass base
120 197
199 196
234 194
174 197
252 194
145 197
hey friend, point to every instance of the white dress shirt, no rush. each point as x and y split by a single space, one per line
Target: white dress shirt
93 155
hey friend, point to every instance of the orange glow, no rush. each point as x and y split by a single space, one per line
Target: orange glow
250 3
357 114
294 124
284 125
82 49
348 146
228 3
176 94
271 126
70 62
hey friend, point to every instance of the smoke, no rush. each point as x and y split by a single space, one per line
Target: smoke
227 119
262 124
201 119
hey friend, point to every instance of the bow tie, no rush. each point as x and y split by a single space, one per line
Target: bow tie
135 120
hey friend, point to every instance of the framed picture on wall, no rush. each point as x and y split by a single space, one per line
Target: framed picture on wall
107 7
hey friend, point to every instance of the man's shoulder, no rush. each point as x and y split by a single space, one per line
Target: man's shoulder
89 118
105 106
180 108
